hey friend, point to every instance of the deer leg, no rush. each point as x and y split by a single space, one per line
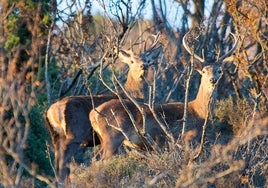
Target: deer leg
59 159
111 145
63 158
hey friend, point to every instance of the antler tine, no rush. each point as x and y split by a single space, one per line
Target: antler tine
230 51
187 48
131 46
155 42
144 47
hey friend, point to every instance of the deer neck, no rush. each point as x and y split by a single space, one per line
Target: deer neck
135 87
201 104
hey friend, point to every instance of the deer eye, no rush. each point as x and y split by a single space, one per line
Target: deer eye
219 71
131 61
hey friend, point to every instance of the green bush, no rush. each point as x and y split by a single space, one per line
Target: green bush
36 152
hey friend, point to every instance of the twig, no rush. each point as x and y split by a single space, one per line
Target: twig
50 161
157 177
185 111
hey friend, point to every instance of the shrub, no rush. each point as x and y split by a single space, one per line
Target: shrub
36 150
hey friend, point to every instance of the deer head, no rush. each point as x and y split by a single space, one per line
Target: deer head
138 66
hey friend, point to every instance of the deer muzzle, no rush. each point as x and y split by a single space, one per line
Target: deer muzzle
213 81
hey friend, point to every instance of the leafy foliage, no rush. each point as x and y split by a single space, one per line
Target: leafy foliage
37 152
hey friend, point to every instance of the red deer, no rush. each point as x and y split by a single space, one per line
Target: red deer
121 122
68 120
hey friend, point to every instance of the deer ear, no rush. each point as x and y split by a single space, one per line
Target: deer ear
155 53
124 56
124 53
198 66
150 57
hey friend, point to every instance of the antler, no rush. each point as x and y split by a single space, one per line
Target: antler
230 51
201 59
155 42
187 48
150 54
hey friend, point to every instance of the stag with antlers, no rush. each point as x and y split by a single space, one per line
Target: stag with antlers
121 121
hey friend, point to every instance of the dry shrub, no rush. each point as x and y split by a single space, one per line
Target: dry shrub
130 170
233 114
236 113
247 15
111 173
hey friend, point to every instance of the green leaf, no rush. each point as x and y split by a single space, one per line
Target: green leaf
11 42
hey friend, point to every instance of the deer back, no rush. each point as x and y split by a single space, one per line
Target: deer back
69 117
